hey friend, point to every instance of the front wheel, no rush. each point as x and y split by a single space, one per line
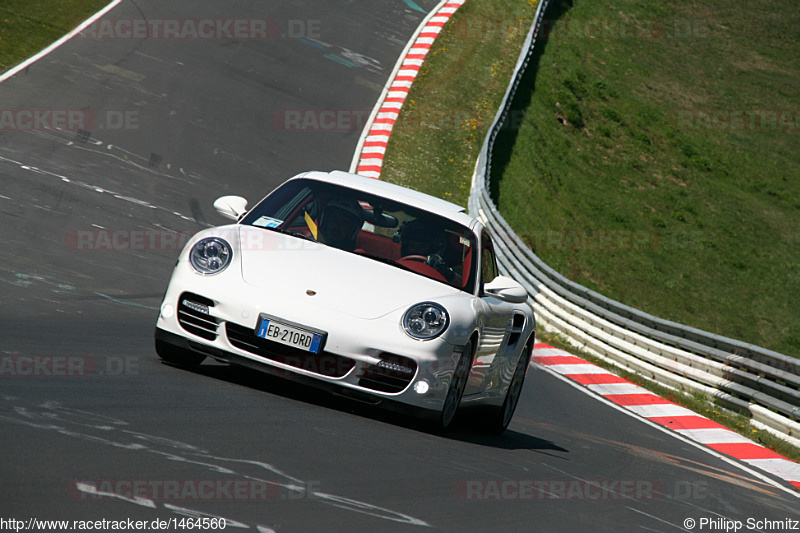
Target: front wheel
457 385
498 418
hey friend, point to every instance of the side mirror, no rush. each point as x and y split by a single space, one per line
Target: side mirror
232 207
506 289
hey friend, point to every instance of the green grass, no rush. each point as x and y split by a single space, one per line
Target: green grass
453 102
613 176
27 26
613 141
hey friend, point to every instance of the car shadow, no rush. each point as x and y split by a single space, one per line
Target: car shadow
463 428
511 439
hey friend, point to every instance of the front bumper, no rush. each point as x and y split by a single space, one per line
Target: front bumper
357 394
380 364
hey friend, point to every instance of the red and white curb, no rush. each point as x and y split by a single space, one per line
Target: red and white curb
644 403
368 160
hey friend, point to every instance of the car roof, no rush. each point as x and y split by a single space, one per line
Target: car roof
401 194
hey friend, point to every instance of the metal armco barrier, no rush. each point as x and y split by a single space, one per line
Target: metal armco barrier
744 376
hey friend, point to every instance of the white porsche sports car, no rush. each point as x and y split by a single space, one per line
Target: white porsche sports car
375 291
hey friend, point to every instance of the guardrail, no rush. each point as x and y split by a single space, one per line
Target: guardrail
763 382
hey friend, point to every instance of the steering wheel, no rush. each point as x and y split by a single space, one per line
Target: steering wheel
420 258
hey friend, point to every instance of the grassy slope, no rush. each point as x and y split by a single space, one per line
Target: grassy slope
709 215
605 145
27 26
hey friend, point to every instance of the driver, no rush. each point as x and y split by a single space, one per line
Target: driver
340 223
421 239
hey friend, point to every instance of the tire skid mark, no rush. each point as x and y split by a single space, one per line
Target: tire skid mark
29 281
93 188
52 416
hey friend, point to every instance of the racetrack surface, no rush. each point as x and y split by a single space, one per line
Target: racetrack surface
93 426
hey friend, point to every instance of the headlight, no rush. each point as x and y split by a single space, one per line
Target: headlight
425 321
210 255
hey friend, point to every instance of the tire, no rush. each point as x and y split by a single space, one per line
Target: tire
457 385
178 356
497 418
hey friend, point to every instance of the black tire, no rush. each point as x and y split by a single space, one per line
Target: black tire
457 385
497 419
178 356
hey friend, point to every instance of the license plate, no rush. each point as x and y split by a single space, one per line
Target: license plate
290 335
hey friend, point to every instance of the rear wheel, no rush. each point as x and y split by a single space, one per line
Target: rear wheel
178 356
457 385
498 418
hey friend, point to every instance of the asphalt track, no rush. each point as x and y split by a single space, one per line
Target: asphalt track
94 427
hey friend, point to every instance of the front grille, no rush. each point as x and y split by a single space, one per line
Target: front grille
392 374
324 363
192 318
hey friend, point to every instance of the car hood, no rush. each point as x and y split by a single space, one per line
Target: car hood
326 277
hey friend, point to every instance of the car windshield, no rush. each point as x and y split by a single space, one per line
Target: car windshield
375 227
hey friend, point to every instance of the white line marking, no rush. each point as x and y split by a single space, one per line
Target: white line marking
659 410
657 518
605 389
780 467
31 60
713 436
587 368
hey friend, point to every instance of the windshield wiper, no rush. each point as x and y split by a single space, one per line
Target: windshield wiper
387 261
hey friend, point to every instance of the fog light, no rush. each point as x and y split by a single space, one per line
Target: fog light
200 308
167 311
421 386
